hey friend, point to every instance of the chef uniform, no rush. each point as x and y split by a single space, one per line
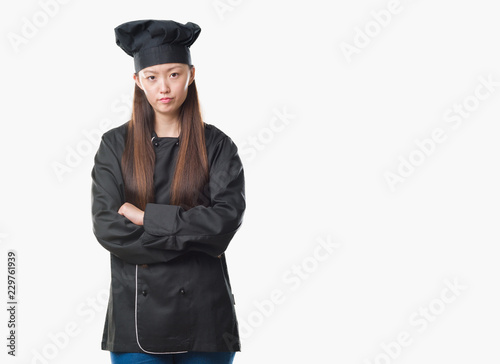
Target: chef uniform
170 290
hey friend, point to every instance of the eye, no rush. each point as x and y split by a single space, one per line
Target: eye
151 78
174 74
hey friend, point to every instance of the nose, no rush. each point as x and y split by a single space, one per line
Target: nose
164 87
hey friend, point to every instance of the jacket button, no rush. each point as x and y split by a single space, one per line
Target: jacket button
182 291
144 293
143 265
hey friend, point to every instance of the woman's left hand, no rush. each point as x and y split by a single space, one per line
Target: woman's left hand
132 213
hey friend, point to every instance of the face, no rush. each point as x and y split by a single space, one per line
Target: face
165 86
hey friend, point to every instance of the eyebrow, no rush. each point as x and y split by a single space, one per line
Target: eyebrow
174 67
168 70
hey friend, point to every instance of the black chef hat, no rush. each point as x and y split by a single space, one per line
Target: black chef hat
153 42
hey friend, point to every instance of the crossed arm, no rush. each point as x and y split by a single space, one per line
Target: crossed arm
163 232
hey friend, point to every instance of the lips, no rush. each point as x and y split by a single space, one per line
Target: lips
165 100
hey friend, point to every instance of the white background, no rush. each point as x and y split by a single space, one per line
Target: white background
322 177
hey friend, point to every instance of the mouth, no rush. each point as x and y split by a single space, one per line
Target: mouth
165 100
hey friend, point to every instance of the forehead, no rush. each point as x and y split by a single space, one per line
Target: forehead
165 67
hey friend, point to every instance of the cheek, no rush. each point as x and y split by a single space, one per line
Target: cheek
150 96
149 92
182 89
146 90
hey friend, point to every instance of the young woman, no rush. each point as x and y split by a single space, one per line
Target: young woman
167 198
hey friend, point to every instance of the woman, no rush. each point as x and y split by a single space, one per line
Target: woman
167 198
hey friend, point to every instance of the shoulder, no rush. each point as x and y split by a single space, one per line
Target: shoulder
220 147
117 135
214 137
113 141
115 138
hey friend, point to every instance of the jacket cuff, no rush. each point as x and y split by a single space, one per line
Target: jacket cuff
160 219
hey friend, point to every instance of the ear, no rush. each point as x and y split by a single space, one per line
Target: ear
191 78
138 81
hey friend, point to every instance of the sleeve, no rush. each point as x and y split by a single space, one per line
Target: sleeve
113 231
201 228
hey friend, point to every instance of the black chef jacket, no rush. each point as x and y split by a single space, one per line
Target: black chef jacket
170 289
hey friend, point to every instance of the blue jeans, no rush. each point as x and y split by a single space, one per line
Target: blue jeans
192 357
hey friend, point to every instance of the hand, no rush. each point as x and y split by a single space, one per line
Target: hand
132 213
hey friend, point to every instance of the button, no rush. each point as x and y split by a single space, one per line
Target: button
144 293
143 266
177 143
182 291
156 144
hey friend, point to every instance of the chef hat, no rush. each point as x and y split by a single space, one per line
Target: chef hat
153 42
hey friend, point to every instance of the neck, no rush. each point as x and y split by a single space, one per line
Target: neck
167 126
